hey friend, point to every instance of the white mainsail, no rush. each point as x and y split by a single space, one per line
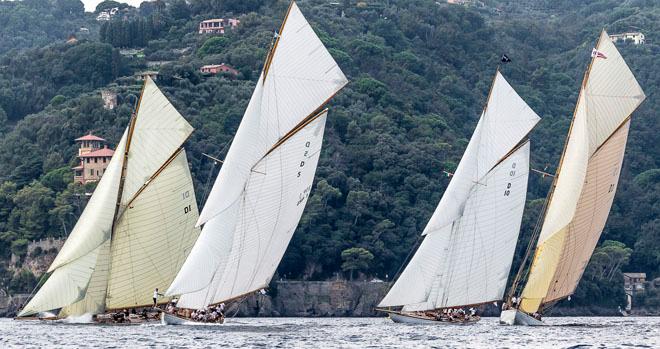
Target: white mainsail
469 242
263 185
138 227
586 181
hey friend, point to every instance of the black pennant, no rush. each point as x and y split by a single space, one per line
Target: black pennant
505 59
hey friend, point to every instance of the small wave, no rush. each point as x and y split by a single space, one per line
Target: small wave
82 319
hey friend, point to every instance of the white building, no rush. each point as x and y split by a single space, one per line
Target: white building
636 37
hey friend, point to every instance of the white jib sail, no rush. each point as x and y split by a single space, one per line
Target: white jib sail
73 267
268 213
95 223
482 207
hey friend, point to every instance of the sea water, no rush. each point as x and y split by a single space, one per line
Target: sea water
321 333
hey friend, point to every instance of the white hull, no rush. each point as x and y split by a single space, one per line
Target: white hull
416 320
513 317
170 319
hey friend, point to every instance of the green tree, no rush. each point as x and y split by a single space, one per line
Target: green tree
23 282
355 258
19 247
358 203
213 45
179 9
3 122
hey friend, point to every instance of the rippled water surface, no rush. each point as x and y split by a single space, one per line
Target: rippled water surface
320 333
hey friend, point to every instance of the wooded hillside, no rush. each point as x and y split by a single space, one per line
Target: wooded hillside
419 74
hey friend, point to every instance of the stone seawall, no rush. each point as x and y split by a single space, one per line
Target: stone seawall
316 299
9 305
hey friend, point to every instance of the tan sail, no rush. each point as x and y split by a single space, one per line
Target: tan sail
153 237
569 250
139 225
587 177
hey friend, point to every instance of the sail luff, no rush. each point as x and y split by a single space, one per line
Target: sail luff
271 52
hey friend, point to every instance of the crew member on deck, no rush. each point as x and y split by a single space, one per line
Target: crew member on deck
156 294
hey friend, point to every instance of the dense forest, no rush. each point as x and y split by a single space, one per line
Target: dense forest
419 75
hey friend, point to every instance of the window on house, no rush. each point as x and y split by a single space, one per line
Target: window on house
96 160
104 160
91 172
87 160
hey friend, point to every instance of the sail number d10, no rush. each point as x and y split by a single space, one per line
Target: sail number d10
185 195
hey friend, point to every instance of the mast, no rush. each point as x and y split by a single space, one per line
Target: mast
522 270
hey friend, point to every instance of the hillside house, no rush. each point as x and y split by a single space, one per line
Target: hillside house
143 75
109 99
217 25
637 38
218 68
94 156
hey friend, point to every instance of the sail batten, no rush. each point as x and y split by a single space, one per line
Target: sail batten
468 244
587 178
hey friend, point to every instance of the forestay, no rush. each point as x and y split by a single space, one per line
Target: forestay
586 180
466 254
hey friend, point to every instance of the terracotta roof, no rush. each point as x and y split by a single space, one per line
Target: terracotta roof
635 275
90 137
98 153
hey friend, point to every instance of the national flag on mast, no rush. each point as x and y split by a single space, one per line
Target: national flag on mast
597 54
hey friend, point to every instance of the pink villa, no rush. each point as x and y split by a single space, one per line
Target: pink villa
217 26
94 157
218 68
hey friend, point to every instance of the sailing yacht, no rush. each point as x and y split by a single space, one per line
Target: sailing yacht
259 195
583 188
468 245
138 226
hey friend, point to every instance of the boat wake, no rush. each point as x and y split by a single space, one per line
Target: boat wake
81 319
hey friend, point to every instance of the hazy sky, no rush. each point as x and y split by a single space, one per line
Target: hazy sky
90 5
